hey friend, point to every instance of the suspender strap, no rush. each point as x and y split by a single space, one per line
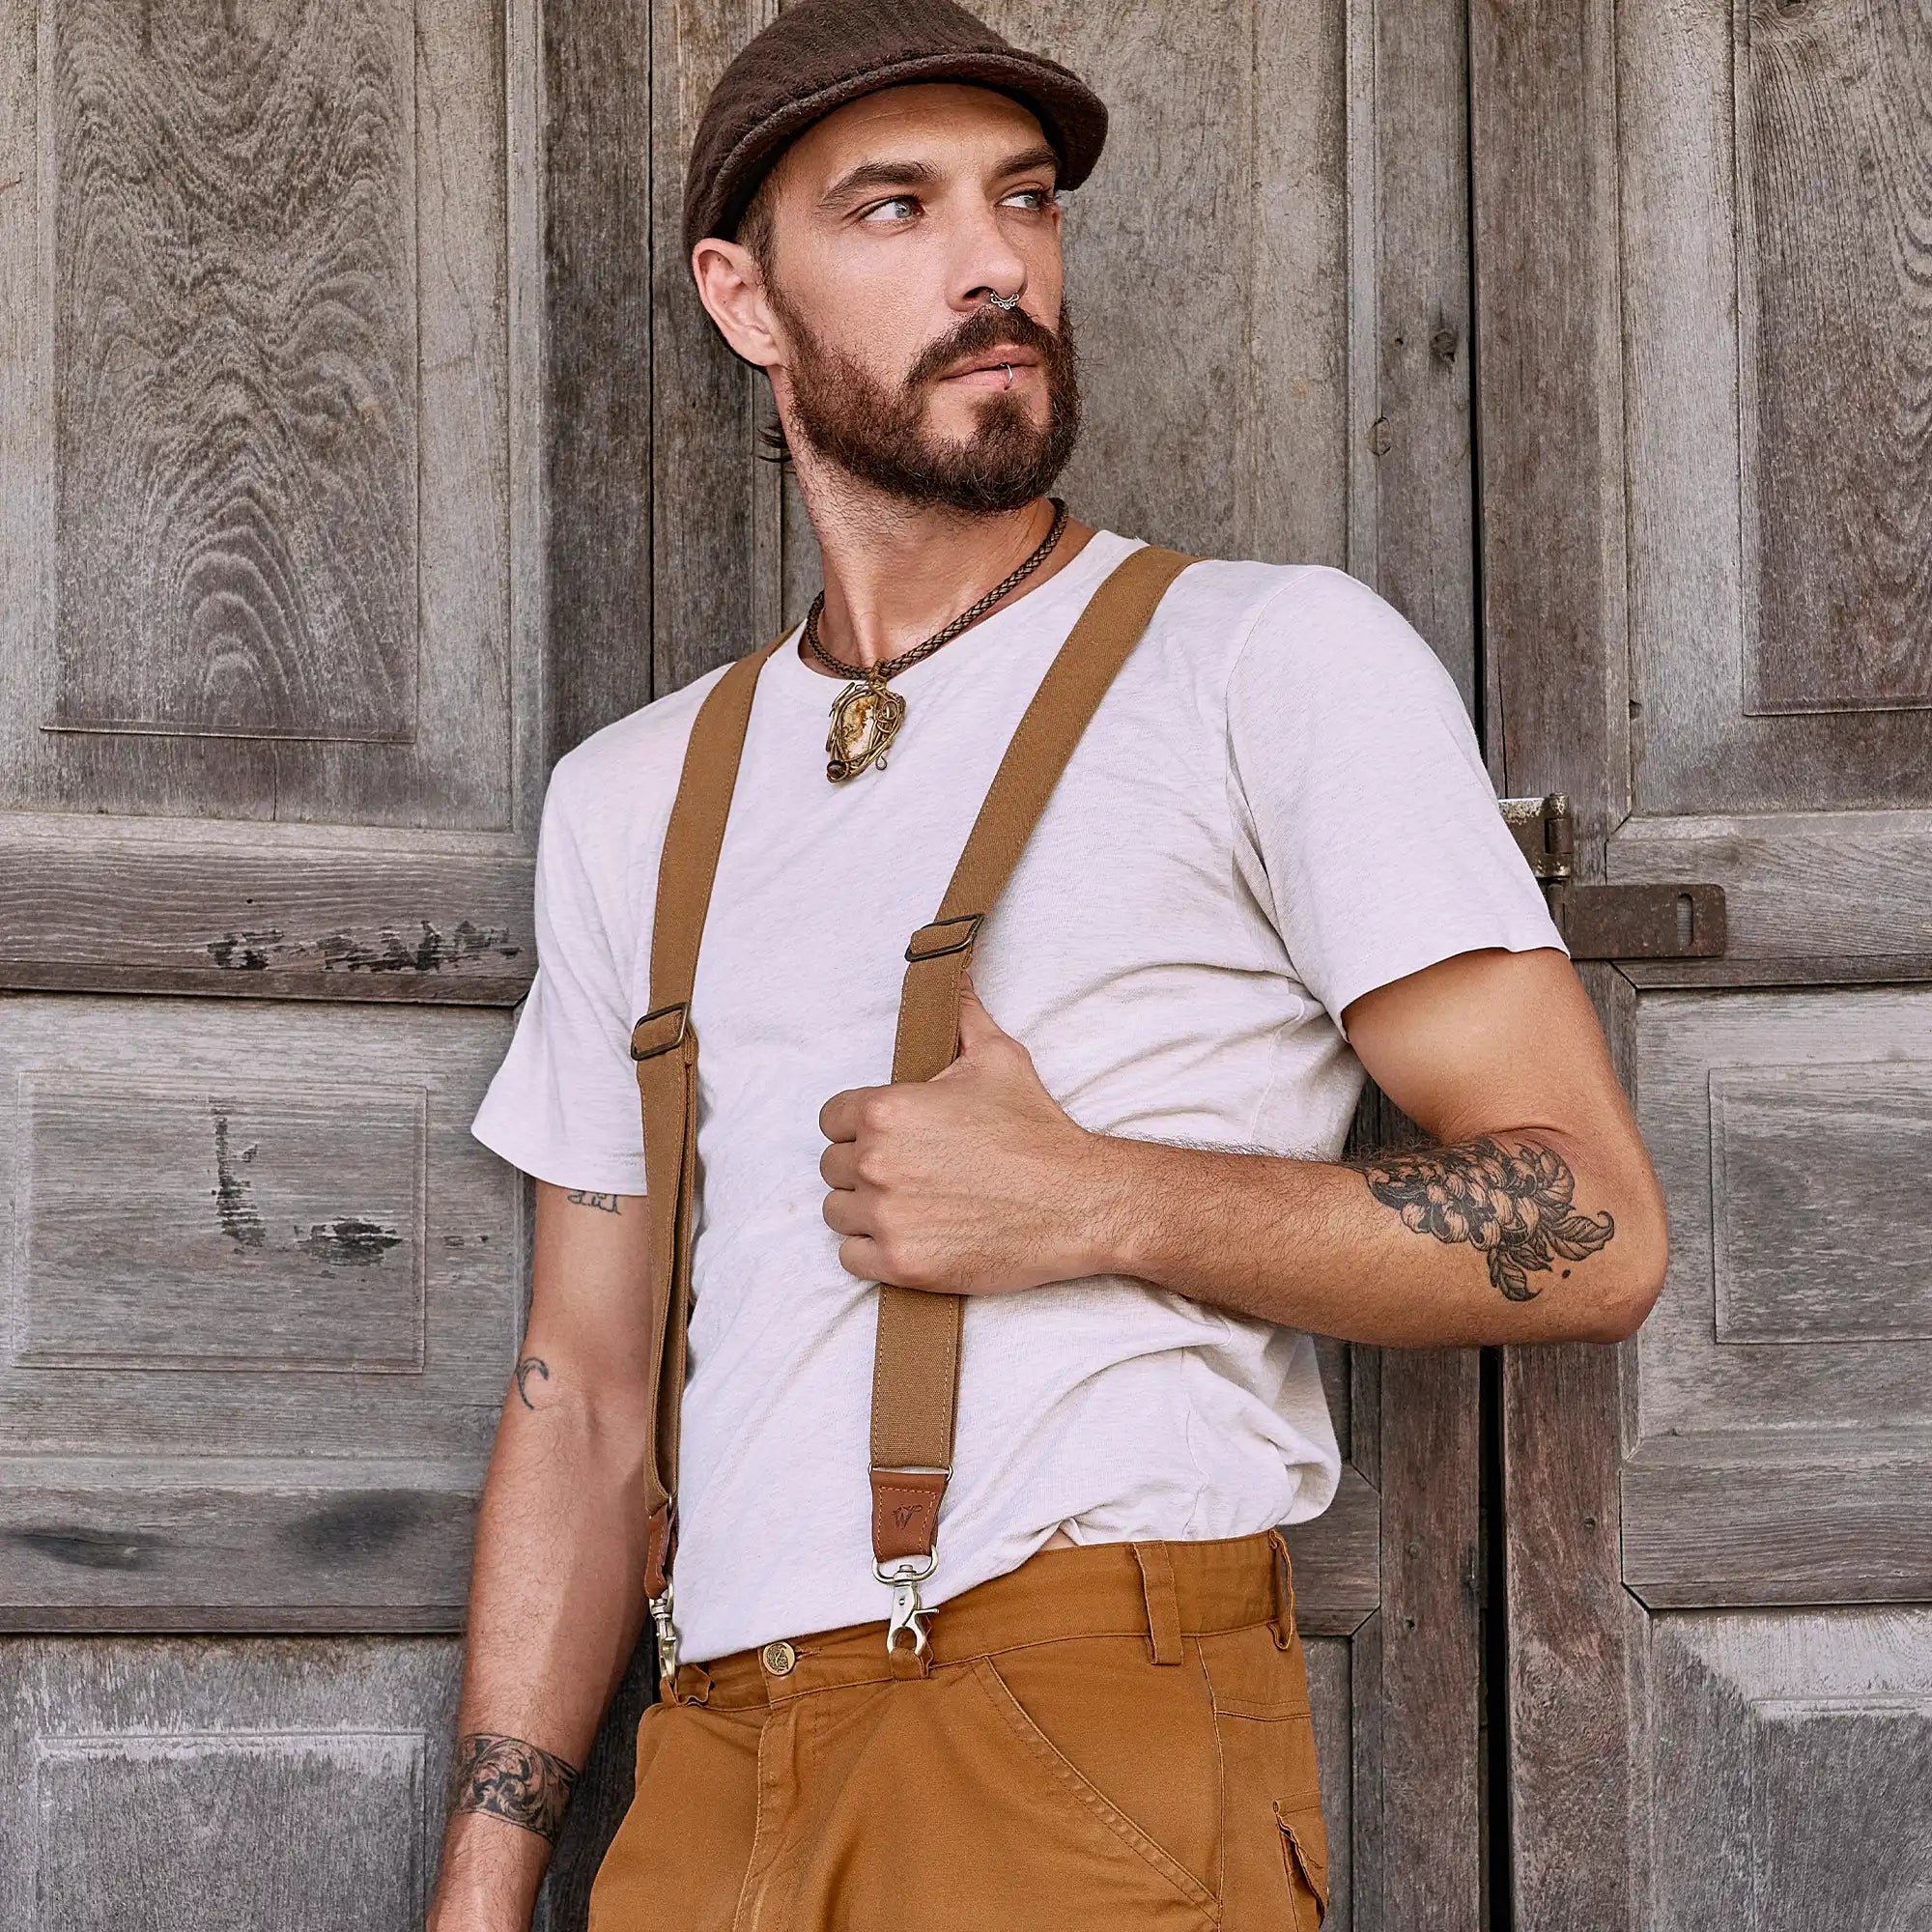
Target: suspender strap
915 1373
664 1047
915 1383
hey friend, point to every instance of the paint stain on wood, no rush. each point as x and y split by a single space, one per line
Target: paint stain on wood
233 1208
366 1526
89 1548
429 949
347 1243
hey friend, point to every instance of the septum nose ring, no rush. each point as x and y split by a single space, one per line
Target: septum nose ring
1007 303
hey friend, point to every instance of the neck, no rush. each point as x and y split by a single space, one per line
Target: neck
896 572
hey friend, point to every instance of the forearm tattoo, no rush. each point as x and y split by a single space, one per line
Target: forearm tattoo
530 1364
1513 1204
511 1780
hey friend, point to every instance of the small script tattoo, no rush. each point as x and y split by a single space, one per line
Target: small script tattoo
584 1198
530 1364
1513 1204
511 1780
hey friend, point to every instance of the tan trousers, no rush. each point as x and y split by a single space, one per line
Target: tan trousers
1115 1735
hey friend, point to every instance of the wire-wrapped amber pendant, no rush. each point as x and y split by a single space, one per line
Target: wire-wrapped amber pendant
866 719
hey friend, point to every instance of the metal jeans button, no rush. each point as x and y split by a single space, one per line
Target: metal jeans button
778 1658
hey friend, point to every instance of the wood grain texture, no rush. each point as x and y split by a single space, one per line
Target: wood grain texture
235 449
1543 134
1790 1753
1712 97
203 1783
315 1461
312 349
599 325
1833 138
179 908
1799 887
1784 1517
314 1256
117 1542
1819 1228
1850 1052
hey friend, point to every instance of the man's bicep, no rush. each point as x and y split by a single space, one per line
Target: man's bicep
590 1314
1492 1039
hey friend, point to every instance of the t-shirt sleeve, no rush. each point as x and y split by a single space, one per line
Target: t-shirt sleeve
563 1105
1366 821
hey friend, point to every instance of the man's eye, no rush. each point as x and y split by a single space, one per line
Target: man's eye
1035 197
898 209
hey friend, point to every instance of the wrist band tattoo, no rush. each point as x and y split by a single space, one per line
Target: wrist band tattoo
512 1780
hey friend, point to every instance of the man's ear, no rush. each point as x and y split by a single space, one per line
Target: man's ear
733 290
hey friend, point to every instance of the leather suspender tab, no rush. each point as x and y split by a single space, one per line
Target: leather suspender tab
905 1511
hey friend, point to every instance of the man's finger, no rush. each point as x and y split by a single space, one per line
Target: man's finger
844 1214
839 1117
977 1026
839 1164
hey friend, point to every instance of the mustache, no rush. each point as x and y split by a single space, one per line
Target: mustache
986 329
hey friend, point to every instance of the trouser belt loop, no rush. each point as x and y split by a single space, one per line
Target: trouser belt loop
1163 1605
906 1661
692 1685
1284 1591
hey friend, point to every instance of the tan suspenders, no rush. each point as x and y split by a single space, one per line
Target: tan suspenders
916 1377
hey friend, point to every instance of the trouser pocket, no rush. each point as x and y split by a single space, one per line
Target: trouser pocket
1304 1849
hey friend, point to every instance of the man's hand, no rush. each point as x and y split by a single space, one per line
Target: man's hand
972 1182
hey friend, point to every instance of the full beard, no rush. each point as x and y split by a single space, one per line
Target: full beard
876 431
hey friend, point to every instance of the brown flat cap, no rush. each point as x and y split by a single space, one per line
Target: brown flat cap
819 55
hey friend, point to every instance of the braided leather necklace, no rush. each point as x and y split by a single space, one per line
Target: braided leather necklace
865 715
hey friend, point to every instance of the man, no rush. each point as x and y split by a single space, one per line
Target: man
1272 861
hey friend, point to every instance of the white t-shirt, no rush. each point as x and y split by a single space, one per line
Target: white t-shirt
1278 806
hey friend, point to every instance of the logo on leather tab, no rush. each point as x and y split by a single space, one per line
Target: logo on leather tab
905 1513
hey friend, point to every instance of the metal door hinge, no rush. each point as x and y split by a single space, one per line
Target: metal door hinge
1612 922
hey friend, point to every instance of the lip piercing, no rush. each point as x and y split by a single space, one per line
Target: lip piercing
1009 368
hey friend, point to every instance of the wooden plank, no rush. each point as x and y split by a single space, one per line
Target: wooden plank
598 334
264 919
215 577
327 1543
377 425
1837 526
1792 1750
1818 1521
1725 1079
1337 1559
219 1784
1542 111
1732 406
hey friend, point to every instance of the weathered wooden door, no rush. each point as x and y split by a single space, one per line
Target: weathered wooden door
362 448
1703 248
274 701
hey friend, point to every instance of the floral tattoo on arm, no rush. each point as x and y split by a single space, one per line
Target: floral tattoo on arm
1513 1204
511 1780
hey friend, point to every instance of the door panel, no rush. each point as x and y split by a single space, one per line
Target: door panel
242 1784
1714 320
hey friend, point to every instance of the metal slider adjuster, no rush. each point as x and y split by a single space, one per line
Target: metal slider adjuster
903 1575
683 1011
938 951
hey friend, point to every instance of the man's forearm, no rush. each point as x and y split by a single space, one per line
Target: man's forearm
555 1608
1498 1239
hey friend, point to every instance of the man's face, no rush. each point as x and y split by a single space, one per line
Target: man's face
892 221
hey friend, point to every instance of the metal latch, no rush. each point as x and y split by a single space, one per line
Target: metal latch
1612 922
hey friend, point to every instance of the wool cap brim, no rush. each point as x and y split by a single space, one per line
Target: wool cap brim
819 54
